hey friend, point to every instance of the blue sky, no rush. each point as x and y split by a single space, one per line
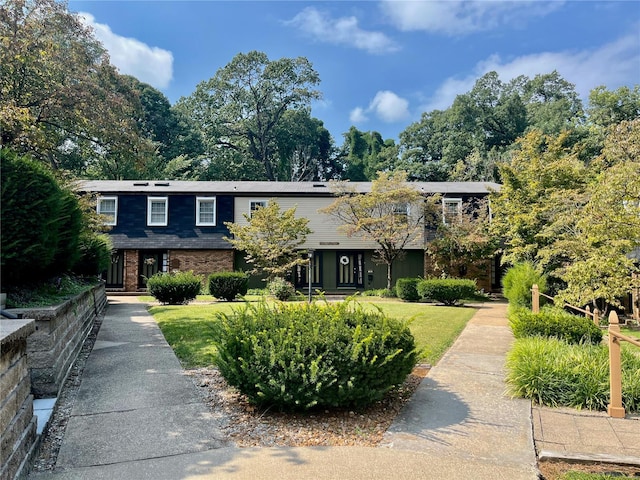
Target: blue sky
381 64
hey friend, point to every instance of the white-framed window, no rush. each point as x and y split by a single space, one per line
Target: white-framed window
256 204
401 209
108 208
451 210
157 211
206 211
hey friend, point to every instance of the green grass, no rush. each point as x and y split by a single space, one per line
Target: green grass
573 475
188 330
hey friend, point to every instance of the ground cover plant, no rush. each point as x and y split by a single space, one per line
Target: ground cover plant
189 328
52 292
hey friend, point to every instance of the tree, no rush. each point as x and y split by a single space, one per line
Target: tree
608 108
60 98
465 242
607 229
304 148
364 154
392 215
240 107
271 239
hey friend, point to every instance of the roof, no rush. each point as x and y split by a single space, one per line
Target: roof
266 188
153 240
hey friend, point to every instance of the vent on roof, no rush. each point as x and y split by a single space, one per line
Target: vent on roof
319 185
140 184
161 184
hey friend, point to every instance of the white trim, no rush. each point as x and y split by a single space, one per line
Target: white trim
200 200
108 215
451 201
150 201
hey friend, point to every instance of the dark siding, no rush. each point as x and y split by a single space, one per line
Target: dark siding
181 231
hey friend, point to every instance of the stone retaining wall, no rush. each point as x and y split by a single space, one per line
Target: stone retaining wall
17 423
60 333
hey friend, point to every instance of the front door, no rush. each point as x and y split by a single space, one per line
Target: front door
350 269
115 270
302 273
151 262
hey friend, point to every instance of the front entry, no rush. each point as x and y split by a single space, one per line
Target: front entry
150 263
350 270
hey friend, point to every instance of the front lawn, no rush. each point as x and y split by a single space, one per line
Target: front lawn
188 330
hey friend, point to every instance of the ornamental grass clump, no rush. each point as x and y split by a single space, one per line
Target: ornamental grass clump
554 373
296 357
175 288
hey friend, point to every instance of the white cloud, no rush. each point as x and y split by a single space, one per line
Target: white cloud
151 65
358 115
460 17
386 105
341 31
613 65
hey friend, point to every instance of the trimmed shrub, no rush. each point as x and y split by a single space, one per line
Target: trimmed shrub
380 292
41 221
281 289
95 254
555 373
176 288
446 290
407 289
296 357
517 283
228 285
554 322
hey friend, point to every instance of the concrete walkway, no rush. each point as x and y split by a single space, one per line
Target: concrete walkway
137 417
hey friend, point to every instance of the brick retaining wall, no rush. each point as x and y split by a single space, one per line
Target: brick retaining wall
60 333
17 422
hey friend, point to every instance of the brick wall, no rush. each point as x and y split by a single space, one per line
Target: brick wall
131 270
60 333
202 262
17 422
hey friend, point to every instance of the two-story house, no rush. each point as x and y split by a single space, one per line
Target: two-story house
179 225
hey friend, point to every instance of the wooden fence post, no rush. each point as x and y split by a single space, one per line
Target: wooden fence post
596 316
615 408
535 299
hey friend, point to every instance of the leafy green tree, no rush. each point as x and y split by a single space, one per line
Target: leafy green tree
392 215
60 98
608 107
240 107
364 154
271 239
544 181
465 242
304 148
552 103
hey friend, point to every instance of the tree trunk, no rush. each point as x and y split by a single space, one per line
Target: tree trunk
389 276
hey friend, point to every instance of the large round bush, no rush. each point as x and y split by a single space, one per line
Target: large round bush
175 288
228 285
296 357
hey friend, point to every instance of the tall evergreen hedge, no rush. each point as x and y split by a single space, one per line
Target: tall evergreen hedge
41 221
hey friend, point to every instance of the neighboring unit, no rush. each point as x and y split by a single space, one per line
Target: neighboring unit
179 225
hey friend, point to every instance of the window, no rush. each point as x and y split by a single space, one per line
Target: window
157 209
401 209
451 210
256 204
206 211
108 208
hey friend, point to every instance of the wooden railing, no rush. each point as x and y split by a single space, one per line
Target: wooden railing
535 305
615 408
